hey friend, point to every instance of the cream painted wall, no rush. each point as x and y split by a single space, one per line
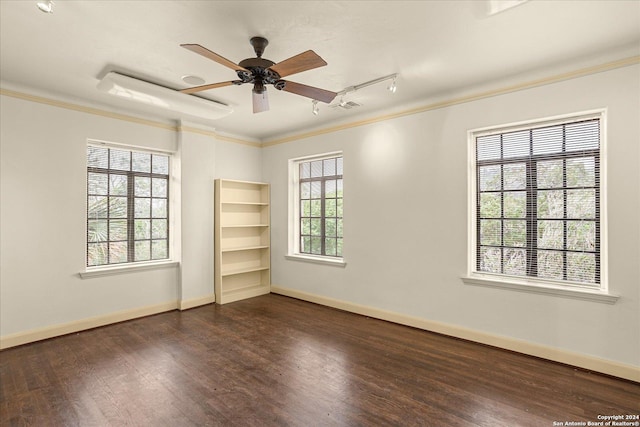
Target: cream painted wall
43 202
204 159
43 153
405 222
405 218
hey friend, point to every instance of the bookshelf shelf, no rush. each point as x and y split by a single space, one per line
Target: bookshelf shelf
242 242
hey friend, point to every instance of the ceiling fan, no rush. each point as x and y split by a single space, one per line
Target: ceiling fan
262 72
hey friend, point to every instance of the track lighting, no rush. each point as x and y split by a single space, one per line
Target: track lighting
347 105
314 107
45 6
392 87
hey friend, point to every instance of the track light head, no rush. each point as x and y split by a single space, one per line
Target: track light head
392 87
45 6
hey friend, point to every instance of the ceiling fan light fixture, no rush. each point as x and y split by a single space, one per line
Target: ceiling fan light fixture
314 107
45 6
260 101
258 87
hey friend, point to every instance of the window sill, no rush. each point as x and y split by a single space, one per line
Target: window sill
576 293
336 262
92 272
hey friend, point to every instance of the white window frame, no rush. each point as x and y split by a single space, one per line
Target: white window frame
174 246
293 251
531 284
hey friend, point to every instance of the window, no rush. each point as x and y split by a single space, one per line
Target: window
317 184
127 206
536 198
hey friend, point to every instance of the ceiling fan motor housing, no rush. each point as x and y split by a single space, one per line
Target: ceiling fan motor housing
260 74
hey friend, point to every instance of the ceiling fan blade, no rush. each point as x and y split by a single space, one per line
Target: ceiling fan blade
212 56
260 102
310 91
296 64
206 87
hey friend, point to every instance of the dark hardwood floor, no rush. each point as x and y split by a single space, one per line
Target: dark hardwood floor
273 360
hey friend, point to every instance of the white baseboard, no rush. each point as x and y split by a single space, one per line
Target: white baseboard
604 366
196 302
94 322
83 324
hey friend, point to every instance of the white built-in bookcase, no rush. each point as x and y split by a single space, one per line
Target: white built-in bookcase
242 240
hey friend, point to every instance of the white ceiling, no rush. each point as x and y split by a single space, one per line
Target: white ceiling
437 47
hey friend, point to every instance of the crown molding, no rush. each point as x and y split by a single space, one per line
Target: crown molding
124 117
634 60
581 72
85 109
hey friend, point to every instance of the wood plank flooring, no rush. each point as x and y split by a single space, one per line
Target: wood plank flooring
277 361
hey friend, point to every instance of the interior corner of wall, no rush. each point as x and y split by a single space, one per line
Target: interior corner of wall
196 302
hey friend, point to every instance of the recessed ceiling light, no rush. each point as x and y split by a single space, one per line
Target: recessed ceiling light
193 80
45 6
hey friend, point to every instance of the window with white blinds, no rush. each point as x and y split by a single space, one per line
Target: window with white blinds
537 201
127 206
